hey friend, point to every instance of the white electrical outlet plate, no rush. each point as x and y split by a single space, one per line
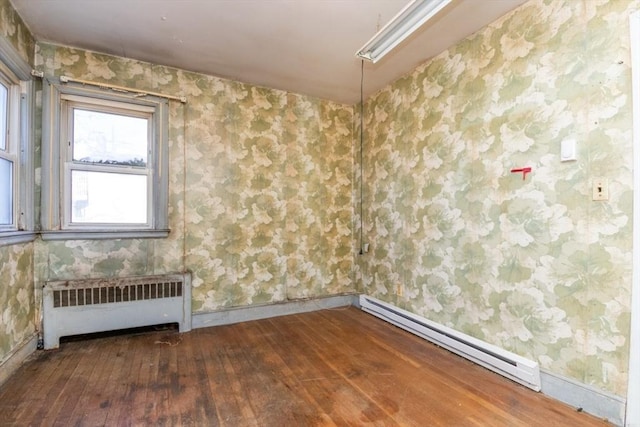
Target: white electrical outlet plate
600 189
568 150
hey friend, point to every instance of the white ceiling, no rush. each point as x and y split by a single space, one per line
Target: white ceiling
302 46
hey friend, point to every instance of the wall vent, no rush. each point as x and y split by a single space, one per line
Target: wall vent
503 362
72 307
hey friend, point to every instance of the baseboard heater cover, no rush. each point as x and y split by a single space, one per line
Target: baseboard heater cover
503 362
73 307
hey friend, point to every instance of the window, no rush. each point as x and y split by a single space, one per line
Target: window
16 174
107 163
106 167
8 163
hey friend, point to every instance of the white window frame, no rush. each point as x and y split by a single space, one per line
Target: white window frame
57 163
68 165
16 75
12 142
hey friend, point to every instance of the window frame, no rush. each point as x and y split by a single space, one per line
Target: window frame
12 142
69 165
57 163
21 104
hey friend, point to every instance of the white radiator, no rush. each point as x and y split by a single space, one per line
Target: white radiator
510 365
73 307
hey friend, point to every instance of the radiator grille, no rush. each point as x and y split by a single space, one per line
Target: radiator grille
107 293
85 306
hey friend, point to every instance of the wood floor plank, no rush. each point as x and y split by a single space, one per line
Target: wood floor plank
260 372
120 407
296 368
76 386
337 367
379 385
60 390
344 389
436 380
154 386
303 406
36 376
188 397
132 401
242 410
92 400
214 381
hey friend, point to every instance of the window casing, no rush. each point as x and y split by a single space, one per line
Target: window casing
9 160
105 158
16 168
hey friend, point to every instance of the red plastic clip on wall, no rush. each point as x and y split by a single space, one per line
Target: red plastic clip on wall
524 171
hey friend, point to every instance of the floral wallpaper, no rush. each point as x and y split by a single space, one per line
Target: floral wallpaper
17 306
13 29
532 265
17 309
262 186
260 190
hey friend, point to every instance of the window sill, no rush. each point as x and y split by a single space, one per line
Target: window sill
103 234
15 237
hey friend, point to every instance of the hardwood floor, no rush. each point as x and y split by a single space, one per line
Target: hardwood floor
333 367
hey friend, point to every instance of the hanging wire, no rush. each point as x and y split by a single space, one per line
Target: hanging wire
361 155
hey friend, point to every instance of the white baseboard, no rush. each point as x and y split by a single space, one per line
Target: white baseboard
11 364
496 359
245 314
590 399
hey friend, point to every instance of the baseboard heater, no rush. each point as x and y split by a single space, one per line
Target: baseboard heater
512 366
73 307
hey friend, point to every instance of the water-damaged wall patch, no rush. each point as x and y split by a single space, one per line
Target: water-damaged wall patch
12 28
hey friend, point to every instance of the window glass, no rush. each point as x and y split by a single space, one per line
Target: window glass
107 138
4 116
103 197
108 157
16 148
6 192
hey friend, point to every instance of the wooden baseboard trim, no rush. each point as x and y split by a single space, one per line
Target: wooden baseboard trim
590 399
9 366
244 314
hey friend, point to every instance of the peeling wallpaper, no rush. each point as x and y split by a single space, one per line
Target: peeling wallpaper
533 266
260 190
13 29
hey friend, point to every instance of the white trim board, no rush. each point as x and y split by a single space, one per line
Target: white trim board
633 379
17 357
589 399
510 365
245 314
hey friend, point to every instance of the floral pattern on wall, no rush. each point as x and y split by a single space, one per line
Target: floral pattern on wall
262 182
17 306
533 266
260 190
13 29
17 312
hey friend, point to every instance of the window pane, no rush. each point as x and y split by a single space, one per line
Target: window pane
101 197
4 116
6 192
109 138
